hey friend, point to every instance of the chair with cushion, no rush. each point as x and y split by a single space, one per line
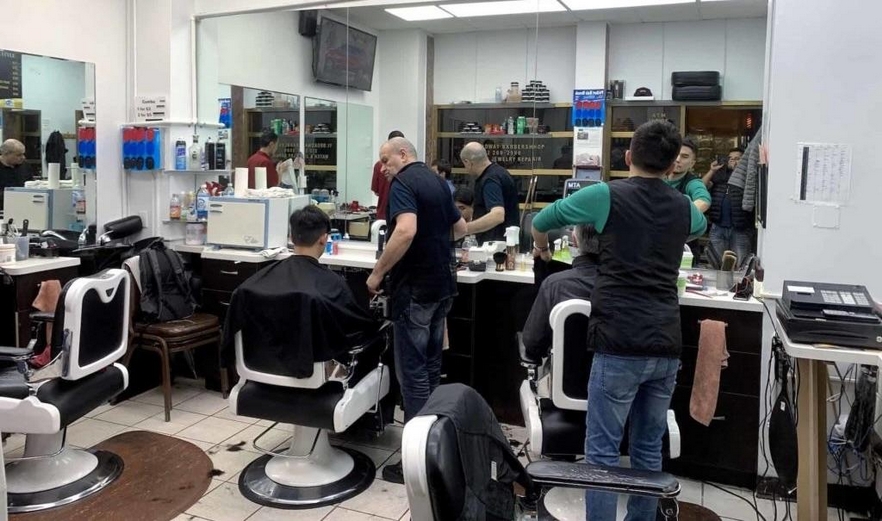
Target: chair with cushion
89 334
310 472
443 482
167 338
554 397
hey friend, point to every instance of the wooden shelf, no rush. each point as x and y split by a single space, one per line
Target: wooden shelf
274 109
320 168
618 174
536 206
318 136
526 105
30 134
198 172
622 134
550 135
528 172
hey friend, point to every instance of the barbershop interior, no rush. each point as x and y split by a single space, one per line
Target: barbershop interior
353 260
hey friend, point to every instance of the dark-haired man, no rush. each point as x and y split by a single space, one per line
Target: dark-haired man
642 225
464 199
685 181
297 310
264 158
442 168
380 185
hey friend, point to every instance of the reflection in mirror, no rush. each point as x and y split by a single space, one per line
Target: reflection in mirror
45 132
321 148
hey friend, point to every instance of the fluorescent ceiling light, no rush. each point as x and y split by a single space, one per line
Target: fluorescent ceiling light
586 5
425 12
504 7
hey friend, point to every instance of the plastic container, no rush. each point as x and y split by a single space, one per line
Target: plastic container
195 234
7 253
174 208
202 204
681 283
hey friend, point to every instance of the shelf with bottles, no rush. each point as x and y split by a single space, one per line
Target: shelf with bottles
467 135
551 117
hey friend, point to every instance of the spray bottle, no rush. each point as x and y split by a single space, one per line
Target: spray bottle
512 240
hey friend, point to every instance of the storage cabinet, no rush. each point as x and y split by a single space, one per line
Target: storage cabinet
458 362
547 155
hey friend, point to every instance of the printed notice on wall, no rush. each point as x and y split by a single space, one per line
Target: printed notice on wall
824 173
150 108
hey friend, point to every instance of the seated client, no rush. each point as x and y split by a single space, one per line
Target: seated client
298 311
577 282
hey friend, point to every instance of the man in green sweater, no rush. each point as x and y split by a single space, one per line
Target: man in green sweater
684 181
634 330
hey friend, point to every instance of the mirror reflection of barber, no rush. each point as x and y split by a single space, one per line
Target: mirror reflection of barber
496 196
14 171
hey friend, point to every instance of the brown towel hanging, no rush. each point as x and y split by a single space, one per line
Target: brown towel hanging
712 359
46 301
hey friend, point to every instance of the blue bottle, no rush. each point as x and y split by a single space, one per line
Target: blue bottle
180 154
202 204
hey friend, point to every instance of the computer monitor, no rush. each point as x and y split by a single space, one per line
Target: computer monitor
588 173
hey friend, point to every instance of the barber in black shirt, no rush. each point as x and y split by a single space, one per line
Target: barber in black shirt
13 169
496 196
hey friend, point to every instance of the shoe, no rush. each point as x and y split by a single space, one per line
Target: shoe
394 473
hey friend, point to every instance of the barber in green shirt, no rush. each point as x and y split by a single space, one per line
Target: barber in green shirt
684 181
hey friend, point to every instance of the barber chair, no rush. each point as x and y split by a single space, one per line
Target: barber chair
310 473
90 328
554 397
436 477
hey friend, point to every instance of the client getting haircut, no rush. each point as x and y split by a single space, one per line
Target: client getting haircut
308 225
655 147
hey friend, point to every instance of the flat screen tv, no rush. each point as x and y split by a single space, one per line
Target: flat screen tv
335 62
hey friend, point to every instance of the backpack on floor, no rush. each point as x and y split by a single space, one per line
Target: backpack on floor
165 285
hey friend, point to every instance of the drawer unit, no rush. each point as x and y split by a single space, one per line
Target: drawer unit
222 275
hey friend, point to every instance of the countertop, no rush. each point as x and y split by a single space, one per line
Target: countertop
38 264
362 254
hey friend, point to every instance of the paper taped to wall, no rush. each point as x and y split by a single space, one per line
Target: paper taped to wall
824 173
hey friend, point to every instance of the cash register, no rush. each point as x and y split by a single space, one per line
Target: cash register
836 314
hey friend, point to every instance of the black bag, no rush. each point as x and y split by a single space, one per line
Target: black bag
695 93
695 78
165 285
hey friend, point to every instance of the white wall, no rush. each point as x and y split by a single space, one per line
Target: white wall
402 100
74 36
470 66
644 55
55 88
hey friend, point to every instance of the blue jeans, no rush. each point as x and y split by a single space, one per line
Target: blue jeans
419 335
724 239
620 386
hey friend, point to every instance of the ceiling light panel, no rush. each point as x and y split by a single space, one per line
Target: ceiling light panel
504 7
587 5
423 12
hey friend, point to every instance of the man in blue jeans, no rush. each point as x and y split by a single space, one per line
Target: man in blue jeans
635 313
422 218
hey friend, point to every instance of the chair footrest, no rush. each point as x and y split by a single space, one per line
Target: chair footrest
608 479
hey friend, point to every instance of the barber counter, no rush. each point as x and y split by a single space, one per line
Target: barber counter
492 307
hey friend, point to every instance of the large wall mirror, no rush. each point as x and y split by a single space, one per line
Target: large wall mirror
47 118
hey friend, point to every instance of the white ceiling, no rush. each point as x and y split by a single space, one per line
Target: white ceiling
375 17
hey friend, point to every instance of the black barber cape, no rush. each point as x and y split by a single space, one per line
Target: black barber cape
483 450
293 314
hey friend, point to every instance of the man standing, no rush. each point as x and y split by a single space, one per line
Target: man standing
635 313
685 181
13 169
264 158
380 185
731 225
496 196
421 216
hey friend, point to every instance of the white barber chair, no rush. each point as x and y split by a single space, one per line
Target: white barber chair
310 473
554 397
89 334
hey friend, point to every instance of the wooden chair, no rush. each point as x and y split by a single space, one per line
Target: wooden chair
168 338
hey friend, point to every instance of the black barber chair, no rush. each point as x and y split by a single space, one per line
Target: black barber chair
90 328
439 479
554 397
310 473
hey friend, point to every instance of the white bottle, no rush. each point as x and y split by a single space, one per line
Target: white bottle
195 155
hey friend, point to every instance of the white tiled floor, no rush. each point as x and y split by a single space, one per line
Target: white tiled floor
202 418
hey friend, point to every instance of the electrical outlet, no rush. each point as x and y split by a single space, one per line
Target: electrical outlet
145 222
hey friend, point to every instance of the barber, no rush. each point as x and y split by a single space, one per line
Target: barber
496 196
14 171
635 313
421 218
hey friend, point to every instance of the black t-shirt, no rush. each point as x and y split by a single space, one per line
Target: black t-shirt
13 176
425 267
495 187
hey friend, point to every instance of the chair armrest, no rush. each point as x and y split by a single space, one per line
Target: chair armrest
42 316
357 350
12 354
526 360
606 479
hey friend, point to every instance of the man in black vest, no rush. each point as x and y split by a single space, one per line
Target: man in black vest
421 218
732 226
496 196
635 318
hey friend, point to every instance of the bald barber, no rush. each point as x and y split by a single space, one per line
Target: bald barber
13 169
496 196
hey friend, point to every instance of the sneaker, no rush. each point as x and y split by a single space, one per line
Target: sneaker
394 473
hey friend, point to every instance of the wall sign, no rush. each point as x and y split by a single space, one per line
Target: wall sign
10 75
589 115
150 108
